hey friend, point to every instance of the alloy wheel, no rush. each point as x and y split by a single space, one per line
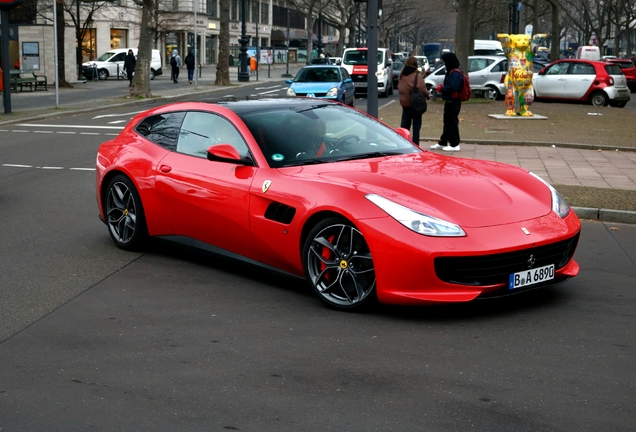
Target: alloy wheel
338 265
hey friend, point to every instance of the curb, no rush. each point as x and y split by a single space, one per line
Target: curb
605 215
541 144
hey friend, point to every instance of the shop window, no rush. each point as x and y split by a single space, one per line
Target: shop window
118 39
89 45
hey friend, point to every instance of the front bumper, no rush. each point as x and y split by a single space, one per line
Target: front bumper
405 262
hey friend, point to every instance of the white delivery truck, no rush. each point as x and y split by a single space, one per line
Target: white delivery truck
355 61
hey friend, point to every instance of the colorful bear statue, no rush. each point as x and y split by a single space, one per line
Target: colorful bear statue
520 52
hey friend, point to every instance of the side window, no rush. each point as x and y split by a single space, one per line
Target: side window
202 130
345 74
162 129
583 69
118 58
558 69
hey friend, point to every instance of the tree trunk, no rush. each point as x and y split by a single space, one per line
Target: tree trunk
141 80
223 63
60 43
463 31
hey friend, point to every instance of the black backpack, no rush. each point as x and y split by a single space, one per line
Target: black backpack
173 61
418 100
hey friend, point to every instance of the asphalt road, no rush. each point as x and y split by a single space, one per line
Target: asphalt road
171 339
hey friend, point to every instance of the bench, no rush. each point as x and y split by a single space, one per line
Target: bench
481 91
27 78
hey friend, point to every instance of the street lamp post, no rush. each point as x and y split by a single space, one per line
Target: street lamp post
243 75
319 43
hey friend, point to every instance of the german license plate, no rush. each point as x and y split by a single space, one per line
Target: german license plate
360 84
531 277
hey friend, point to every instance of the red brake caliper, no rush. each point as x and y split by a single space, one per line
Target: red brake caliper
327 255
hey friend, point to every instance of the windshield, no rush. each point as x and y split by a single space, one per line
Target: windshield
613 70
359 57
105 56
323 133
315 74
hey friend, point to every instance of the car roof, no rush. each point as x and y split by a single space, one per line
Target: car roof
266 104
322 66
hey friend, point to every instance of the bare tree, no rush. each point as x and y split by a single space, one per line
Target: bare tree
222 65
141 80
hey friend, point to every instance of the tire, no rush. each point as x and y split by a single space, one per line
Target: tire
391 88
496 93
124 213
353 100
598 99
152 74
618 104
338 265
385 93
102 74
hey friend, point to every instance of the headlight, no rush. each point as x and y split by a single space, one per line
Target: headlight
333 91
291 92
380 73
559 205
420 223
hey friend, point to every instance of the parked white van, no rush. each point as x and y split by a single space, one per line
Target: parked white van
355 61
588 52
488 47
112 62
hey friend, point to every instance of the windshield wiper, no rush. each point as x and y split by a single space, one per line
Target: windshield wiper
369 155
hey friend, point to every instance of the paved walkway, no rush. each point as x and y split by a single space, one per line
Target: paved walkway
557 165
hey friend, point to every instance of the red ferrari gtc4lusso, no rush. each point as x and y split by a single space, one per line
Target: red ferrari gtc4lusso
325 192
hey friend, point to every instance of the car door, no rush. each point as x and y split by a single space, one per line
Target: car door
552 82
579 79
207 200
347 85
478 71
116 64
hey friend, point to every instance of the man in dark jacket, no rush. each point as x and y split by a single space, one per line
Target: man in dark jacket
453 83
189 62
129 66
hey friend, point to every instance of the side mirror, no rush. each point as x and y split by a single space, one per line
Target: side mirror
288 81
348 80
226 153
403 132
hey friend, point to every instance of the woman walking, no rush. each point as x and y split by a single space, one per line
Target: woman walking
409 78
129 66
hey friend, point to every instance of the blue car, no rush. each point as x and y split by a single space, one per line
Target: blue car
323 81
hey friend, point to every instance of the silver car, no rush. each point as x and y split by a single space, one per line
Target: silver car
483 71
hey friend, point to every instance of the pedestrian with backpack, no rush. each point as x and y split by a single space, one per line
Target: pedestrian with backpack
451 91
413 96
175 63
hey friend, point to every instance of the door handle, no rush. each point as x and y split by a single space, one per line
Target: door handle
165 169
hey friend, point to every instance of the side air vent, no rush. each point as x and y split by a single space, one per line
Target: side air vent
280 213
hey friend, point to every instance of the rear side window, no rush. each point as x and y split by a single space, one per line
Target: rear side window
613 70
162 129
583 69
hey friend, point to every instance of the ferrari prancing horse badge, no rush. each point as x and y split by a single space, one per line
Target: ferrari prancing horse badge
266 185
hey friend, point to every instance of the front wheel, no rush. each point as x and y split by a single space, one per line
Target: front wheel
152 74
102 74
125 214
599 99
338 264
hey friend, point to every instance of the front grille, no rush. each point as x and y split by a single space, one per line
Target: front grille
495 269
314 94
359 78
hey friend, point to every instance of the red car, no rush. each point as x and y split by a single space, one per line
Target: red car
595 82
629 70
325 192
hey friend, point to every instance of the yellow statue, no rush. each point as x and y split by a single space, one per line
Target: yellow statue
520 52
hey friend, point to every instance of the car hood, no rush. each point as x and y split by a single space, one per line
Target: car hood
468 192
313 87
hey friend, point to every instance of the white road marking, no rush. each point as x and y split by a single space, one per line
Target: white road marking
265 88
70 126
48 167
17 130
116 115
118 121
271 91
68 133
90 133
42 131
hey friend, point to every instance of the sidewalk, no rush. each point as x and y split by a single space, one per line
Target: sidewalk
590 176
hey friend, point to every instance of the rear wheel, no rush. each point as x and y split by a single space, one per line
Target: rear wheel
125 214
338 264
495 93
152 74
599 98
